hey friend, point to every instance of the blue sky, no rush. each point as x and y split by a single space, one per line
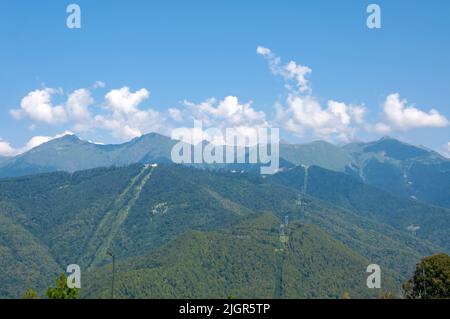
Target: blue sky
164 63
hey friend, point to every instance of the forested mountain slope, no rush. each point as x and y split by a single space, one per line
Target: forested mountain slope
431 223
247 260
135 210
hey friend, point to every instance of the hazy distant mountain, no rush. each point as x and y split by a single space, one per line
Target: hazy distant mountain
70 153
402 169
318 153
3 158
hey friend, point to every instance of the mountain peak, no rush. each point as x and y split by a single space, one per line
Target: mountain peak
69 136
66 138
151 135
396 149
387 138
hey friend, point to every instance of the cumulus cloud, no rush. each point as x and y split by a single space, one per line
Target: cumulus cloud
398 115
120 113
335 121
124 101
216 116
131 125
126 120
228 112
37 105
77 105
302 112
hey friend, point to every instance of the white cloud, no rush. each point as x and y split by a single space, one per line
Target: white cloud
120 114
304 113
223 114
37 105
228 112
38 140
77 105
126 119
301 113
118 127
335 121
34 142
125 127
7 150
290 71
124 101
263 51
401 116
218 115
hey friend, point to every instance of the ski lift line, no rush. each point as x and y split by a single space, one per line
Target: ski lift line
305 181
114 218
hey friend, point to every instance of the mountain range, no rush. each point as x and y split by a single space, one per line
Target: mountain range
308 231
399 168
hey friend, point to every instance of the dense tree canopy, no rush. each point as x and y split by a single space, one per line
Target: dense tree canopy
52 220
431 279
61 290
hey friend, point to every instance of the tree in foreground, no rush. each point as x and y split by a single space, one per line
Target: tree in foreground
30 294
61 290
345 295
387 295
431 280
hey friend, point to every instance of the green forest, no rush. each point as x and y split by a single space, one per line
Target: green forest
180 232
